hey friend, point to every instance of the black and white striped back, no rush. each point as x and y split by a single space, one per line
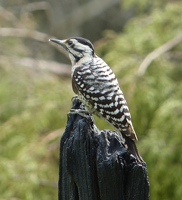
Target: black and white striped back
97 87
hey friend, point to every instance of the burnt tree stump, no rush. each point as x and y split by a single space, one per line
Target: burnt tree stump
95 165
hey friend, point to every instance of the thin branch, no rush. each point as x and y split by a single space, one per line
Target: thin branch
48 184
52 135
44 65
30 7
156 53
27 33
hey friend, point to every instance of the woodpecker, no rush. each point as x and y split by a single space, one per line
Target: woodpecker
98 89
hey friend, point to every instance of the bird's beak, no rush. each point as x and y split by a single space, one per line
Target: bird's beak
60 42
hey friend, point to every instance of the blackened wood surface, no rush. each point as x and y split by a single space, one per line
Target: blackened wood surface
95 165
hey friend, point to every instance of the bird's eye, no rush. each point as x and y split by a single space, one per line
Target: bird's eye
70 43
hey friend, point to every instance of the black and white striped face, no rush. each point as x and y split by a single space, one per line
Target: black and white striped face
77 48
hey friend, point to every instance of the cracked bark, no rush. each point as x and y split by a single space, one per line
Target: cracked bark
95 165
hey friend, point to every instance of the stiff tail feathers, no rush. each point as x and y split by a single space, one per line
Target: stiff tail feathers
131 145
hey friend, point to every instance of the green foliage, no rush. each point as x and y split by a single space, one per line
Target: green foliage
154 99
34 105
143 5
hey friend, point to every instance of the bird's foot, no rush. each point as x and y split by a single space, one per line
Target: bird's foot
75 98
80 112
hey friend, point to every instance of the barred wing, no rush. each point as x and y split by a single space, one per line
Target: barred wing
98 88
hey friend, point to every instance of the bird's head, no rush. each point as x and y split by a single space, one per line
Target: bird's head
77 47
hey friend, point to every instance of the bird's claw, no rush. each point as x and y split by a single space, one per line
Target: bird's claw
75 97
80 112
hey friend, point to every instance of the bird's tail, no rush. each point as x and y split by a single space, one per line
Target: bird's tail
133 149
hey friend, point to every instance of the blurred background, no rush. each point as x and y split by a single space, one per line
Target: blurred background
142 42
